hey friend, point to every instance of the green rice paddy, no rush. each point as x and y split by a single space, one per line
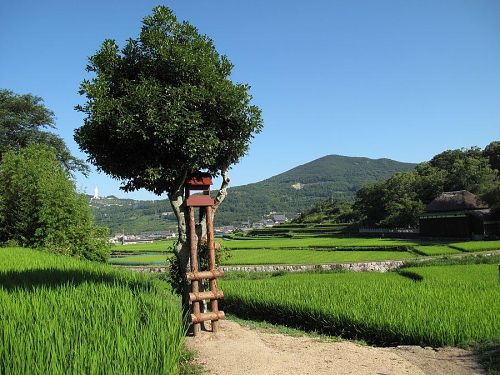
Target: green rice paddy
315 242
326 243
65 316
142 259
476 245
160 246
450 305
430 250
257 251
242 257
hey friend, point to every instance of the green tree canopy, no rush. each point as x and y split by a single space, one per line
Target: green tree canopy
164 107
39 206
492 152
24 120
465 169
399 201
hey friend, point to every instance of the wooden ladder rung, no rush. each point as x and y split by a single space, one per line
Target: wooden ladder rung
201 296
204 275
219 315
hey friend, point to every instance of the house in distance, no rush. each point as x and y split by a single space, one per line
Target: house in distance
459 214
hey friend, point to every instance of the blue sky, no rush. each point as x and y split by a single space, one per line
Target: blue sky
399 79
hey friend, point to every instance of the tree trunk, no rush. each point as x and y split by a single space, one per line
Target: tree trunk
182 247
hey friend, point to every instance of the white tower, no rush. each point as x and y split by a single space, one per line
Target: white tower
96 193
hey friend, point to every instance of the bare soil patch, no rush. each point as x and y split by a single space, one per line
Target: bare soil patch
241 350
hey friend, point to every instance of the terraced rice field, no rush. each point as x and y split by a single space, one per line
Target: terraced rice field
471 246
142 259
431 250
65 316
257 251
242 257
160 246
315 242
450 305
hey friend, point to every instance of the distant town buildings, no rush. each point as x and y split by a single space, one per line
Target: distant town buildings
270 221
144 237
244 226
101 203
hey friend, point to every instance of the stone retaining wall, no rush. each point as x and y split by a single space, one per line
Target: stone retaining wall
355 267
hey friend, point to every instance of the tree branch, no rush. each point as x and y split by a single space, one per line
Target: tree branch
221 195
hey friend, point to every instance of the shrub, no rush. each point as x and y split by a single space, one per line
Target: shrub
39 206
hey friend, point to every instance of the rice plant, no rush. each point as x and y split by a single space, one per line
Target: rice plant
430 250
451 305
476 245
141 260
315 242
276 256
65 316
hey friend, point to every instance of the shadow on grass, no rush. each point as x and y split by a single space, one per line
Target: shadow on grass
489 355
323 323
32 279
410 275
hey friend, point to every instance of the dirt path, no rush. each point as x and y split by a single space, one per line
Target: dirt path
241 350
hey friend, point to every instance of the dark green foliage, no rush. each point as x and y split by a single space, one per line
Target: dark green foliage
391 203
492 152
492 197
40 207
465 169
398 201
23 120
164 107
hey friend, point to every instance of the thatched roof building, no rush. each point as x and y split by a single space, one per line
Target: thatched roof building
458 214
461 200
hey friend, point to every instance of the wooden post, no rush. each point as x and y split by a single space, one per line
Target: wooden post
202 182
194 268
214 304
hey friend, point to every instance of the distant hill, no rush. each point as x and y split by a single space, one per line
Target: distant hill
289 193
132 216
299 188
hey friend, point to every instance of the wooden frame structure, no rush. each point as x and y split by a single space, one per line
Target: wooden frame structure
201 182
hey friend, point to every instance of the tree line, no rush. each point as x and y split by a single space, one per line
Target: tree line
401 199
39 204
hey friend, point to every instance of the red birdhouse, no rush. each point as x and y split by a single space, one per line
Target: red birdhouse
199 182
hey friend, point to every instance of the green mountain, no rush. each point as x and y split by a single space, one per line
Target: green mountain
288 193
299 188
132 216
